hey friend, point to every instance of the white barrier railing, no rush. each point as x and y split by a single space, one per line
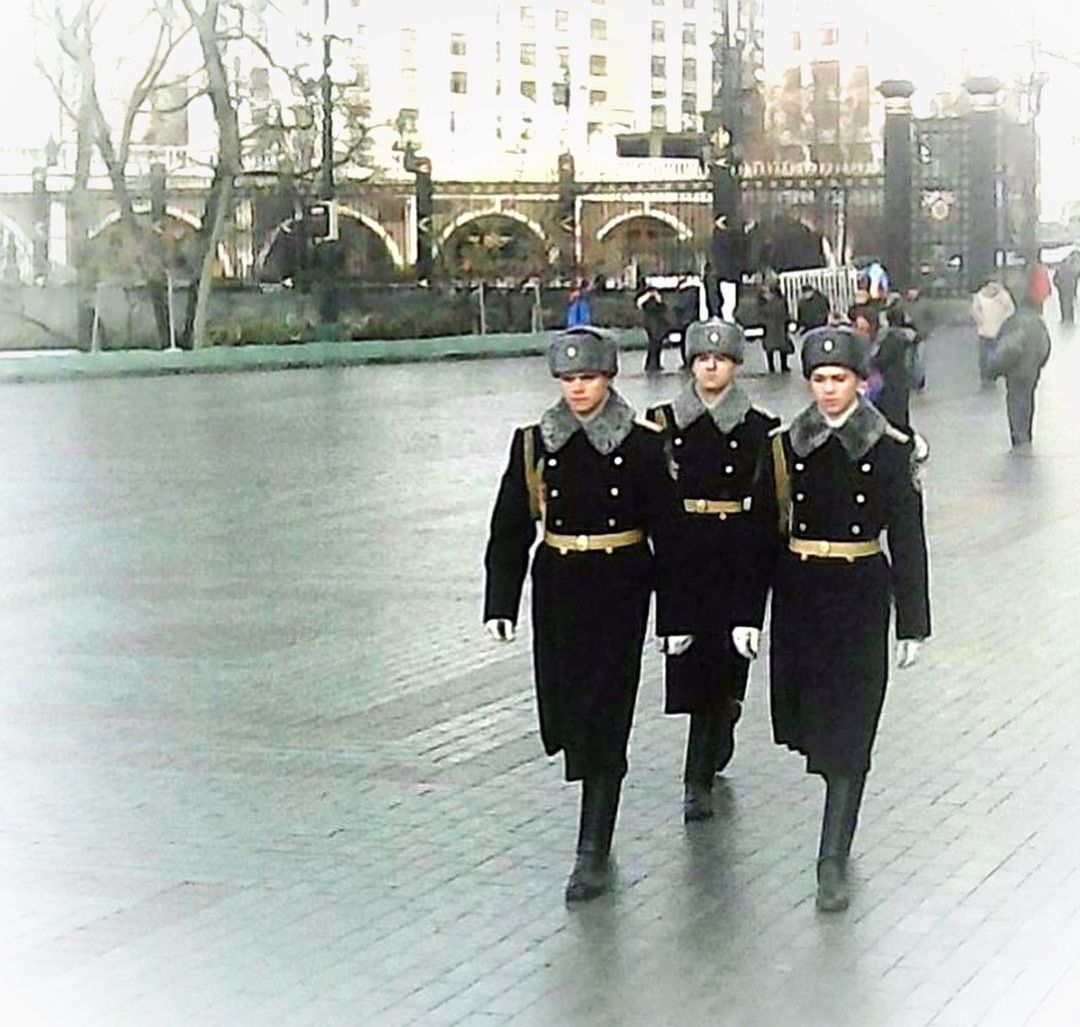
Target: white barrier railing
839 285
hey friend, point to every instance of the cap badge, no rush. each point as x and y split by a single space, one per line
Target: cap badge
827 345
714 336
571 351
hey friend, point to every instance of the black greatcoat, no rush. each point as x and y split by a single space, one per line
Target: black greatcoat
721 576
830 617
589 609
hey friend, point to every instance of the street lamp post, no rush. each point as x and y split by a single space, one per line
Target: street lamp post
326 186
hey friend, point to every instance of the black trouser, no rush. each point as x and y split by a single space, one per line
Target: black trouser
1020 405
771 354
1068 305
653 359
986 349
843 797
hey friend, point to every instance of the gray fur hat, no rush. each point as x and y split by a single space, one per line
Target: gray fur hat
835 346
720 338
582 349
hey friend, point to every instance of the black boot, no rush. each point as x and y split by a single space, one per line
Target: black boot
591 875
701 744
843 794
725 737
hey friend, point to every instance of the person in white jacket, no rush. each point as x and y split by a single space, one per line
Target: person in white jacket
991 307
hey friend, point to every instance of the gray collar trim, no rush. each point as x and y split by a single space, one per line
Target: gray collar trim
606 431
858 434
727 413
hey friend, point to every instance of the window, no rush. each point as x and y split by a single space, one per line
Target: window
659 89
829 35
457 44
528 18
796 41
562 21
528 54
407 120
459 83
688 5
528 90
597 97
689 103
658 32
689 35
659 67
562 57
689 73
597 64
658 3
260 84
598 29
659 116
594 128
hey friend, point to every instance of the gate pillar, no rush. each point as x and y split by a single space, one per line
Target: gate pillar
899 208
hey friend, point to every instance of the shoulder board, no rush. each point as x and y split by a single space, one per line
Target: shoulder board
768 415
643 423
778 430
897 435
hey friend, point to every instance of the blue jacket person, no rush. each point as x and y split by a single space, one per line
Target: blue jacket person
593 482
718 443
841 477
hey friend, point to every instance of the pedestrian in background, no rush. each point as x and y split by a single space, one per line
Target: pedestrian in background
1020 353
579 312
1038 287
813 309
991 307
840 477
654 316
687 311
717 441
1065 280
596 481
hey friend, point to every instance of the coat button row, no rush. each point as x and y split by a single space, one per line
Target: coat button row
618 461
860 498
800 467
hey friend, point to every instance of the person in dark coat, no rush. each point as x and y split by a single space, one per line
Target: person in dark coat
1065 280
687 311
773 317
1020 353
840 476
894 357
813 310
654 316
597 480
718 442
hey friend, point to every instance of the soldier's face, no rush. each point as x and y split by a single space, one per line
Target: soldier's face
584 392
713 373
834 389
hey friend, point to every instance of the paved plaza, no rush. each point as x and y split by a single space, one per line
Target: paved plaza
260 766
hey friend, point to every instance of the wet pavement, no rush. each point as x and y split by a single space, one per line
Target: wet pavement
260 766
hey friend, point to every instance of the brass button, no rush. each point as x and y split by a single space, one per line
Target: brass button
734 444
802 526
558 522
800 467
860 498
856 530
611 522
678 441
614 490
866 468
552 462
608 550
800 496
729 469
554 493
618 461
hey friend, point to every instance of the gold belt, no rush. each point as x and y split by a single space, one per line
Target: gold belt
585 543
850 551
723 507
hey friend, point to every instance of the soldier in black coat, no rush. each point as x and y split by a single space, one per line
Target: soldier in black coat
597 480
841 475
717 443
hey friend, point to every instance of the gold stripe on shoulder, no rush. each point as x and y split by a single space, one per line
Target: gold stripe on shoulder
647 424
896 434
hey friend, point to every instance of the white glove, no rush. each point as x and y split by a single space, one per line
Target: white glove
907 652
675 645
922 448
746 642
500 630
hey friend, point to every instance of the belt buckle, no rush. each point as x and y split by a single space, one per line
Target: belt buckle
824 547
581 543
702 505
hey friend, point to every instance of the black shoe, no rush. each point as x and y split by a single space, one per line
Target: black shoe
697 803
725 735
832 889
590 878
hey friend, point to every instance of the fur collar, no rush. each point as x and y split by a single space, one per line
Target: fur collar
858 434
727 413
606 431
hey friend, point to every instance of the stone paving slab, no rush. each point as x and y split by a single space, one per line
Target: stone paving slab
260 766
